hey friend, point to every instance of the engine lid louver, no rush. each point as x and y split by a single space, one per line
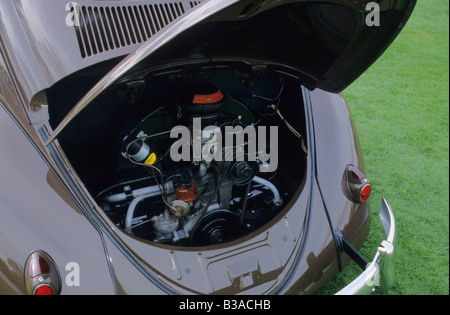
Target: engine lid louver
107 27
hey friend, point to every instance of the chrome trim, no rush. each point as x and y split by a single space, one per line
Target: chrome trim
380 273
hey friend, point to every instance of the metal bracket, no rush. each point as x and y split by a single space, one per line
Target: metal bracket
346 247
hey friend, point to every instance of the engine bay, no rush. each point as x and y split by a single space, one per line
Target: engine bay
198 160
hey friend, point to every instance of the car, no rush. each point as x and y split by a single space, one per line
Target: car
187 147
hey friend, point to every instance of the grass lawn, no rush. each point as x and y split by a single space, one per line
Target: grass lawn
401 110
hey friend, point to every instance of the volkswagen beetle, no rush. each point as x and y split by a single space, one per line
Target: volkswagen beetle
186 147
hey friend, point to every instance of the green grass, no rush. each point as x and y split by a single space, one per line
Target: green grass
401 110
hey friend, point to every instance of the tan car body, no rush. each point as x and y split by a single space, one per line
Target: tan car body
44 205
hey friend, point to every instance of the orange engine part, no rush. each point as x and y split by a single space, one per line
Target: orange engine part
187 195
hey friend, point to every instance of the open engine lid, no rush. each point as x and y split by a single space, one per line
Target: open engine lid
325 44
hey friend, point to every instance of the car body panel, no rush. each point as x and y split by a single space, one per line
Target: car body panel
296 254
38 214
319 261
319 241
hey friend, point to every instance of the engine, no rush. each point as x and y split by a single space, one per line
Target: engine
198 172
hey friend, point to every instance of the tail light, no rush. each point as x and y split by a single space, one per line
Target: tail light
358 184
41 276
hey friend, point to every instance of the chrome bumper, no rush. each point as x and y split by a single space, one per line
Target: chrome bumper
380 273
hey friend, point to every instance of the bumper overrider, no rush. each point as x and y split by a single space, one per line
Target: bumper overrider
379 274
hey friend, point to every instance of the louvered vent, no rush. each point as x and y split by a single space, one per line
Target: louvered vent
106 28
194 3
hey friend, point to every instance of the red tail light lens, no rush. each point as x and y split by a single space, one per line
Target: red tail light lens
358 185
365 193
44 290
